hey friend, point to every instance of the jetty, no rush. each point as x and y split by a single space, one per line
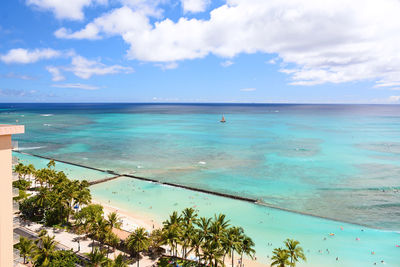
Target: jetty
99 181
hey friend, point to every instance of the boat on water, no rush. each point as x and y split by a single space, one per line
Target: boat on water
223 119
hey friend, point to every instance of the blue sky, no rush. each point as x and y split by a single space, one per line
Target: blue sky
294 51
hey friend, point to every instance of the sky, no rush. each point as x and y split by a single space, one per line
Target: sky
253 51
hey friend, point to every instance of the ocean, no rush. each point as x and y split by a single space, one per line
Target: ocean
339 162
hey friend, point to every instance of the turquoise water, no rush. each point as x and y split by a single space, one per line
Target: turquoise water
72 172
264 225
335 161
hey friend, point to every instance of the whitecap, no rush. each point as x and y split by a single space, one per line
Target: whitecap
46 115
46 124
202 162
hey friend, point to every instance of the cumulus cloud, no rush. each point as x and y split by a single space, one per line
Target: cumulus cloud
62 9
317 42
25 56
76 86
194 6
85 68
56 73
248 89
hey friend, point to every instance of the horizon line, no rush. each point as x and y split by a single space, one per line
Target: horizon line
208 103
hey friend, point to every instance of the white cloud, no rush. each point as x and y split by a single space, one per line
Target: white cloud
119 21
56 73
194 6
24 56
65 9
227 63
316 41
76 86
248 89
85 68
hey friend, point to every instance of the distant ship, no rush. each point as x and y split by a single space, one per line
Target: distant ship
223 119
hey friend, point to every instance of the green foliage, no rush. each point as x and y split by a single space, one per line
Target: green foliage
138 241
288 256
30 210
45 250
26 248
22 184
24 170
22 195
171 262
56 194
280 258
119 261
97 258
64 258
210 239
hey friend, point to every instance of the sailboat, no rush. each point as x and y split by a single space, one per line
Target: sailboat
223 119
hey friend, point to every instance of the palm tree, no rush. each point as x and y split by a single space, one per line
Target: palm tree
83 196
295 251
173 230
171 237
233 240
246 248
119 261
138 241
113 220
29 170
196 242
216 233
189 217
97 258
99 230
111 239
156 239
19 169
26 247
88 218
280 257
45 251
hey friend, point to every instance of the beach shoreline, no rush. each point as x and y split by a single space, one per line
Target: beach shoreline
131 220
